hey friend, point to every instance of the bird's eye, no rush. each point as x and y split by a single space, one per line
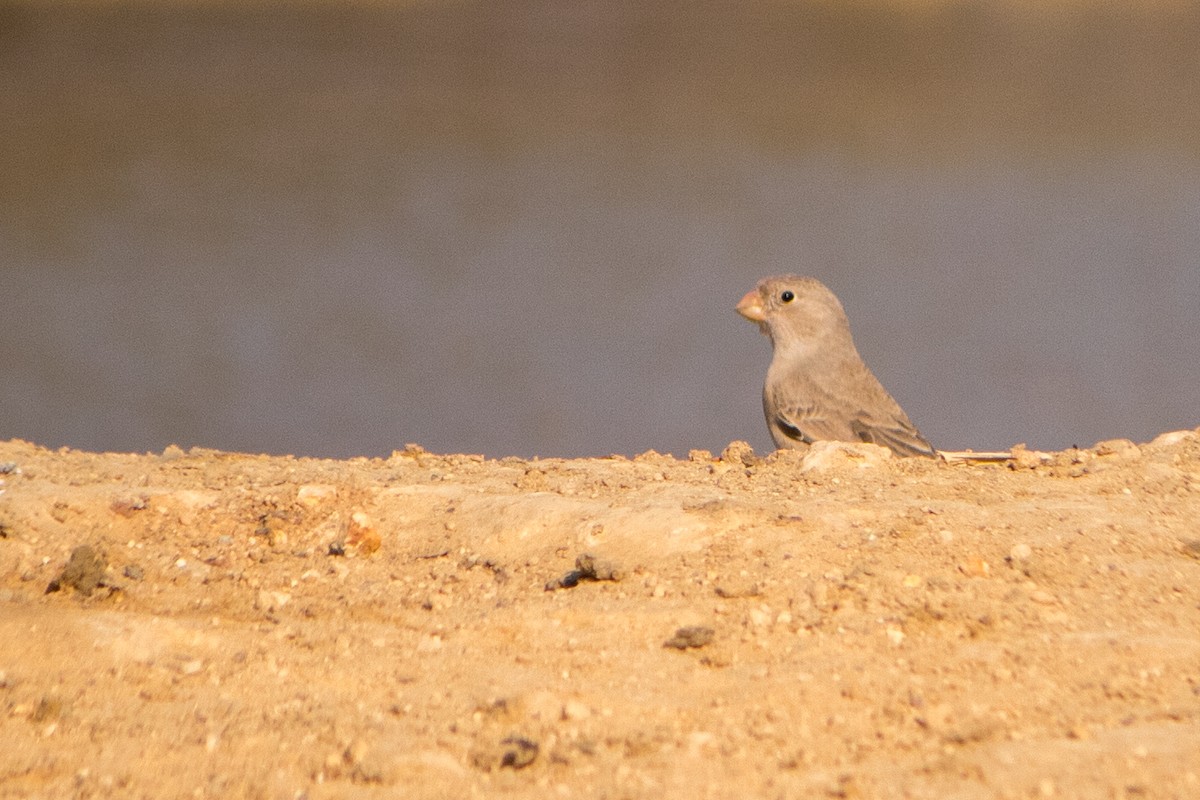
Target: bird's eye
787 296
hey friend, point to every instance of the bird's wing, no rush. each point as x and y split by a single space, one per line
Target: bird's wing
808 423
785 423
842 417
897 434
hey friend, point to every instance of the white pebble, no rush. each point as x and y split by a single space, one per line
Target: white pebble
759 617
574 709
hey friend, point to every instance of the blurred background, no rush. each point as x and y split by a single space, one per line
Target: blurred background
519 227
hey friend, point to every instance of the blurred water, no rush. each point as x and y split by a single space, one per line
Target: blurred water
520 227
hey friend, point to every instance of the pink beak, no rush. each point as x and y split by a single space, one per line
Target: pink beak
751 308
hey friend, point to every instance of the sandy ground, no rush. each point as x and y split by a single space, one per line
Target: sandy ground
842 624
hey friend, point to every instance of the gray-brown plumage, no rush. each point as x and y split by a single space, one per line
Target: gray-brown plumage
817 386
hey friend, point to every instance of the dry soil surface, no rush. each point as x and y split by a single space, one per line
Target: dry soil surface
845 624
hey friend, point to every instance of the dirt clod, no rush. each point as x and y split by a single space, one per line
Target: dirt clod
84 571
690 636
587 568
511 752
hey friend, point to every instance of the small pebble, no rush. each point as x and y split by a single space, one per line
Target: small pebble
313 494
976 567
519 752
84 571
739 453
172 452
691 636
574 709
267 601
361 534
429 643
588 567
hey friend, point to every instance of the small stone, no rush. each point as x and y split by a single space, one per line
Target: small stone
191 667
829 457
48 709
732 588
1042 596
172 452
84 571
598 569
429 643
356 752
690 636
590 568
976 567
313 494
1020 552
512 752
1121 447
788 458
739 453
576 710
128 506
912 581
759 617
362 535
1024 458
520 752
268 601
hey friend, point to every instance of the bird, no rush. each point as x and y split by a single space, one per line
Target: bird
817 386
